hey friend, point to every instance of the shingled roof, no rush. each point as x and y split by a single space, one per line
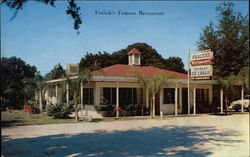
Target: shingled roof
132 71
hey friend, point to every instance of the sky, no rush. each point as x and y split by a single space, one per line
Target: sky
44 36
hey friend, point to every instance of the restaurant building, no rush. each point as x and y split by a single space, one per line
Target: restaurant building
119 86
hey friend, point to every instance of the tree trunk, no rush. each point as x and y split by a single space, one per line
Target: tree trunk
76 113
151 106
40 102
226 106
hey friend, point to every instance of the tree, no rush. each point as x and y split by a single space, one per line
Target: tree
119 57
227 84
228 39
72 9
243 77
149 57
17 83
41 87
152 85
175 64
95 61
56 73
75 83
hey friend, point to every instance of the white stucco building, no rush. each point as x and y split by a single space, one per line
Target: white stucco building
118 85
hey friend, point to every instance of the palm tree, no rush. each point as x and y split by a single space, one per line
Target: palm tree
75 83
243 77
153 85
28 88
227 84
41 88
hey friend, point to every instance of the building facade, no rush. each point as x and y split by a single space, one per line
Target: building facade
120 86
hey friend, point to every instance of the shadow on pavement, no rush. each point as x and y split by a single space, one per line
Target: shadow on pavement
159 141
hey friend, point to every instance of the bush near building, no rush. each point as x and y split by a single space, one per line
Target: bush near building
59 111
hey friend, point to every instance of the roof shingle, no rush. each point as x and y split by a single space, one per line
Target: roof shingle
132 71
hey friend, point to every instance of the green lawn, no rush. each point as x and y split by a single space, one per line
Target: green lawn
19 117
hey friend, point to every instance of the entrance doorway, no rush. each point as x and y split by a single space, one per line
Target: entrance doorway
157 104
184 100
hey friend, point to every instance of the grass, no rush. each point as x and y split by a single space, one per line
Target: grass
19 117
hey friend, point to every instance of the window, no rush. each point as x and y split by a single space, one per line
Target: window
136 59
88 96
52 92
108 96
169 96
202 96
130 59
127 96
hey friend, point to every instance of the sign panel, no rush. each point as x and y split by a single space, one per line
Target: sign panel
203 55
72 69
201 71
201 62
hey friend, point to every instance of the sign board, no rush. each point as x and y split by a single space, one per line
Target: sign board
201 62
72 69
203 55
201 71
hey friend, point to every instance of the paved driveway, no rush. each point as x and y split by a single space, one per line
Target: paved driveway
199 136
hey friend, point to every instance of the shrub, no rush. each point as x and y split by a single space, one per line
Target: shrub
34 106
105 110
59 111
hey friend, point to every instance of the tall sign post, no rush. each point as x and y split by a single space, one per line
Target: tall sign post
188 81
201 69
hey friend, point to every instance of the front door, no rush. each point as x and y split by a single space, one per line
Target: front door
157 104
184 100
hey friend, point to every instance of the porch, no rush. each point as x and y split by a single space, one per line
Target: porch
120 98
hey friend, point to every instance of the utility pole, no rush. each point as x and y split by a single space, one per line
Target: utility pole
188 81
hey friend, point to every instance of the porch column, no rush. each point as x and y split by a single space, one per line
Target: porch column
153 105
117 99
147 98
56 94
221 100
176 100
180 97
81 93
188 96
242 97
40 101
161 102
67 93
194 100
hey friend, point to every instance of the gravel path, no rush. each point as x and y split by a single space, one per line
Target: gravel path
202 135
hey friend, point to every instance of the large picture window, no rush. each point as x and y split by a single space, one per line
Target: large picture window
108 96
127 96
169 96
202 96
88 96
